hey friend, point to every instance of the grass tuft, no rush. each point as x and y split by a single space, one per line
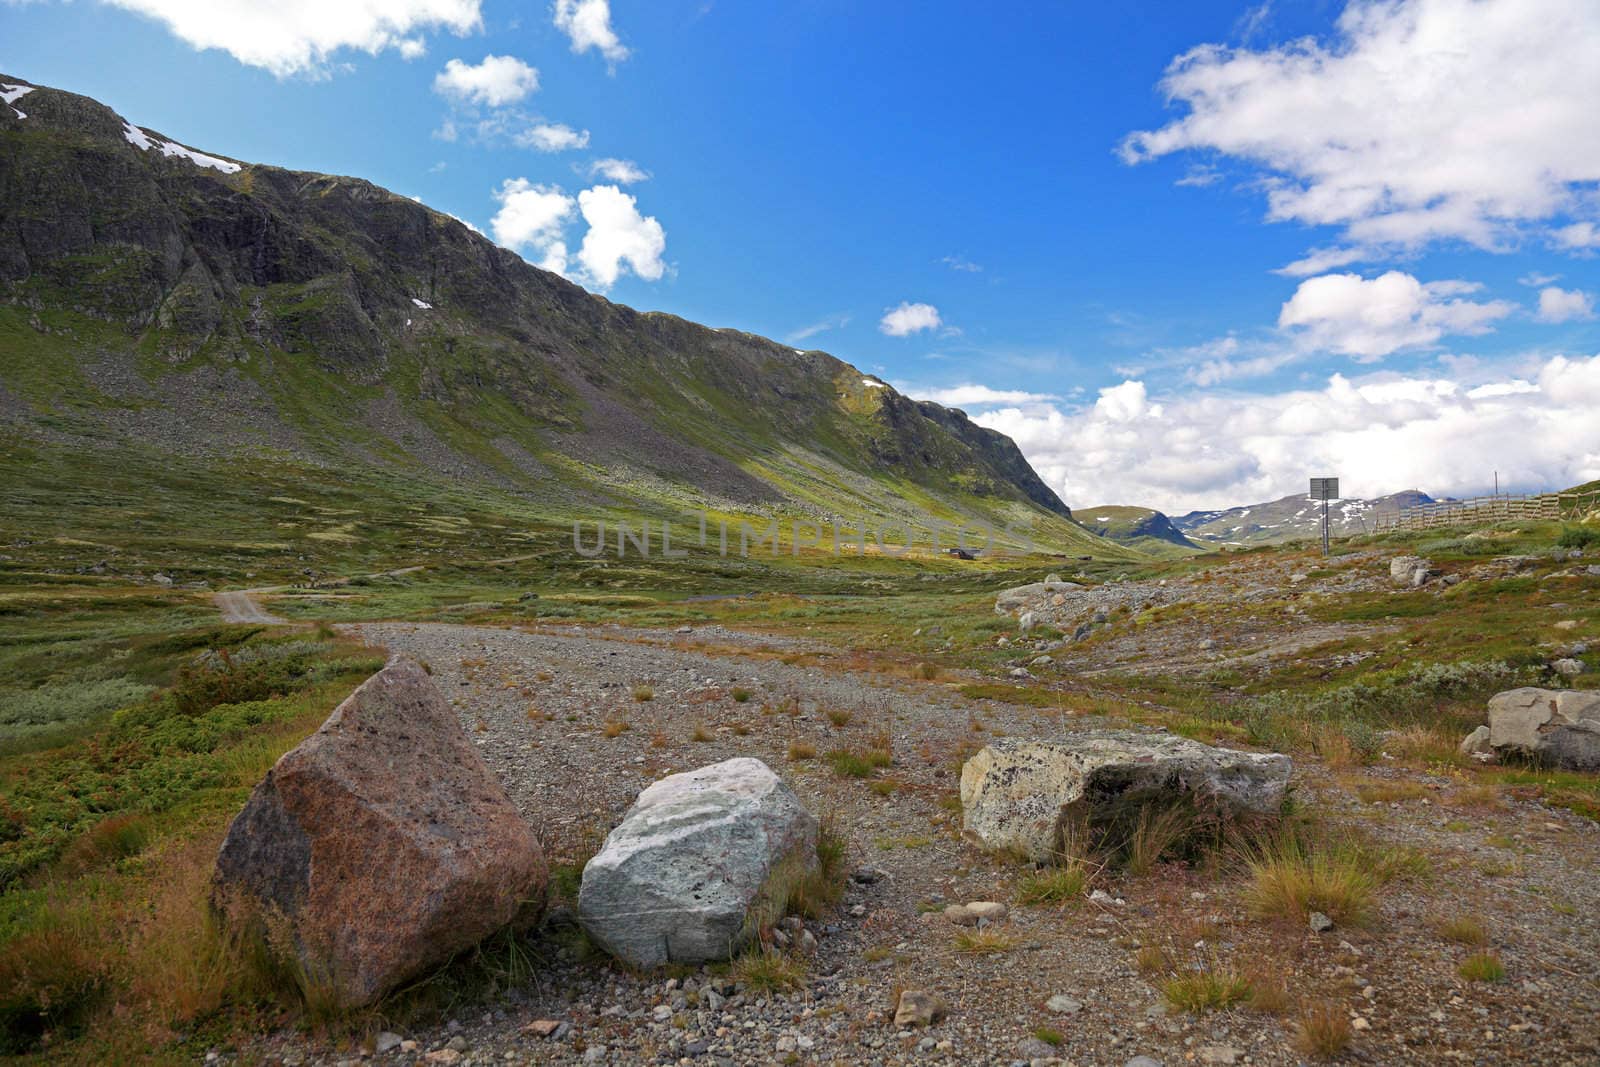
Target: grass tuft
1323 1032
1054 885
1482 967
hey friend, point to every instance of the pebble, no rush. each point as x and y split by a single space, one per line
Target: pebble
1319 922
1062 1004
386 1041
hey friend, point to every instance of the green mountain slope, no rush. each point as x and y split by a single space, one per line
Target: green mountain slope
162 311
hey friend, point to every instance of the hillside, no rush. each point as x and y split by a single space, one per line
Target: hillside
172 322
1291 518
1149 531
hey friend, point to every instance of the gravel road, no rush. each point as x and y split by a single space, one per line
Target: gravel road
536 703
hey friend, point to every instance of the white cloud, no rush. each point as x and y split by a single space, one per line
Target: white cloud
1564 305
963 264
619 237
964 396
1379 435
620 171
495 82
1537 279
832 322
552 137
588 24
531 217
1319 260
1578 237
533 220
412 48
1420 120
1369 318
908 318
299 36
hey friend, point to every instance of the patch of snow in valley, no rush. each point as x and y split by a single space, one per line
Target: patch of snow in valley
423 304
144 142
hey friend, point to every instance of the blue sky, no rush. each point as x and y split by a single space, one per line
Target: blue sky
1089 247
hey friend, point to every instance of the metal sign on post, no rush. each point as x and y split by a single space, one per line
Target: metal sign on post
1324 489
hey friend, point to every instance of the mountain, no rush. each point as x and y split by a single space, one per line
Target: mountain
164 305
1292 518
1148 531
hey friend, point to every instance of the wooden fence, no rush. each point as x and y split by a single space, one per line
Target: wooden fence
1483 510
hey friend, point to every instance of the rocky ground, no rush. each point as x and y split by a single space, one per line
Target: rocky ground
538 705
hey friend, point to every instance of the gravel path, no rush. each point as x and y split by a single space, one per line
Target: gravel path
240 606
537 701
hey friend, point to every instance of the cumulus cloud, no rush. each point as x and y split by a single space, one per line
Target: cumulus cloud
533 220
619 237
552 137
1564 305
964 396
618 171
1419 120
1380 434
300 36
531 217
587 23
908 318
495 82
1369 318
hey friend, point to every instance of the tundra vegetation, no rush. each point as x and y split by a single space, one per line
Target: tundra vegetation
135 725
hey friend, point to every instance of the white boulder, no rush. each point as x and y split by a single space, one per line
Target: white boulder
1559 728
677 880
1030 796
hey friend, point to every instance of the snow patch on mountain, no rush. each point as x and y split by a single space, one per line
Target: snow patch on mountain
144 142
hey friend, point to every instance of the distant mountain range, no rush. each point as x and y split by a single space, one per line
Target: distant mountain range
1149 531
1291 518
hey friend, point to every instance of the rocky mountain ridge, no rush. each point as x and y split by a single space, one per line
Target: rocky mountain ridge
155 295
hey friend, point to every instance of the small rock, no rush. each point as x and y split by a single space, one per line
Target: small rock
1360 1022
386 1041
1319 923
543 1027
1020 672
1219 1054
1568 668
1143 1061
960 915
1475 742
987 910
1062 1004
918 1008
1031 1048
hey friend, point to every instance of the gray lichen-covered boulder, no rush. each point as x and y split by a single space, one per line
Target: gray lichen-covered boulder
1031 796
678 878
1557 728
380 846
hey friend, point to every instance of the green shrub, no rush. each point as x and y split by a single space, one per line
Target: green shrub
1579 537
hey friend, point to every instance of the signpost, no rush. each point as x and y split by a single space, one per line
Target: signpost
1324 489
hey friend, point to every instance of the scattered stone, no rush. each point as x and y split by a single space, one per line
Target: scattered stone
386 1041
918 1008
1568 668
1026 621
1142 1061
1062 1004
382 840
1021 794
960 915
1404 570
543 1027
675 881
1557 728
1476 742
1031 1048
1020 672
1219 1054
1319 923
987 911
